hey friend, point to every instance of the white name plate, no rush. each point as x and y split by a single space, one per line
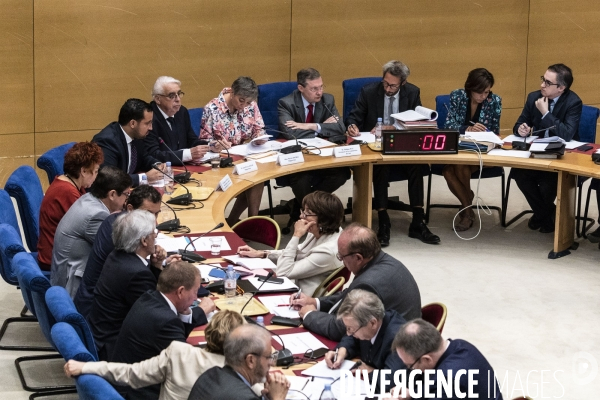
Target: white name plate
288 159
244 168
224 183
347 151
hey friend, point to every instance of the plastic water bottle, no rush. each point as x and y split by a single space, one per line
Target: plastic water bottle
327 393
144 180
168 180
230 282
260 320
378 132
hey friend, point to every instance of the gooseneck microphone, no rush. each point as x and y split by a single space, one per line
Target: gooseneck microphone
518 145
289 149
181 200
339 139
269 276
183 177
190 256
225 161
170 225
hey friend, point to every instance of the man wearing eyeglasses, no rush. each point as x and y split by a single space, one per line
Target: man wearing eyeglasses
306 113
554 110
122 142
248 358
171 123
420 346
380 100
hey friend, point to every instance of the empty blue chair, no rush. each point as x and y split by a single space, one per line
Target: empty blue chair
24 185
351 89
442 105
93 387
196 118
268 98
52 161
69 344
587 133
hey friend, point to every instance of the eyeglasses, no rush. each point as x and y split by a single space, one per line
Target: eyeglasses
341 257
356 330
416 361
126 194
316 89
546 82
173 95
388 86
304 214
271 358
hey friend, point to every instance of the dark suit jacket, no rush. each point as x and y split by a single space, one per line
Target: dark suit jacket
385 276
291 108
181 137
565 116
378 355
114 146
223 384
148 329
123 280
103 246
370 101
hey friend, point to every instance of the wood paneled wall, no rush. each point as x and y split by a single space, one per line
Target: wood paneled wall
68 65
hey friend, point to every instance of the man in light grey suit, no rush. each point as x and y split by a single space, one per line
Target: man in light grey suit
76 231
308 113
374 271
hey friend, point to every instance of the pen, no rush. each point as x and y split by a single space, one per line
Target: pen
336 354
356 365
282 305
305 383
296 297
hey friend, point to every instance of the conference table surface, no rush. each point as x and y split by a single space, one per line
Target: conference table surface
568 168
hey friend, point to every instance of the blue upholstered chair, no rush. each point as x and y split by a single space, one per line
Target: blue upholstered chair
351 89
69 344
442 105
24 185
63 310
93 387
587 133
52 161
196 118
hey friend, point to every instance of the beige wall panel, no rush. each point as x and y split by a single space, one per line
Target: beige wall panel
508 119
574 40
16 66
441 41
15 150
92 55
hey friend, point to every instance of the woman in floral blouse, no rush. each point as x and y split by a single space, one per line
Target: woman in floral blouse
474 109
231 119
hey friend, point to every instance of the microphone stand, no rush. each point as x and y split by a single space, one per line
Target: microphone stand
170 225
182 200
518 145
183 177
225 161
191 256
338 139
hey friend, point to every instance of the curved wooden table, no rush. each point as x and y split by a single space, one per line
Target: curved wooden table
571 165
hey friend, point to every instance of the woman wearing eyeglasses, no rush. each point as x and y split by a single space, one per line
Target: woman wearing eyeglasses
311 261
472 109
230 119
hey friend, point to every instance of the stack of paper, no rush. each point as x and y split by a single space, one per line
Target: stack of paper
278 305
514 138
251 263
299 343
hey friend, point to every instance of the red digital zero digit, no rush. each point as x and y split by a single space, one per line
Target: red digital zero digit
440 141
427 142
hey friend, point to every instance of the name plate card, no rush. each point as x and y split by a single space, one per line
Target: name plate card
288 159
245 167
347 151
224 183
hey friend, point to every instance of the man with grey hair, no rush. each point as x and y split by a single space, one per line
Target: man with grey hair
248 358
421 347
126 275
171 124
380 100
370 331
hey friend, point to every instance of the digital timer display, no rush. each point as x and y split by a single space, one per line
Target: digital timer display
420 141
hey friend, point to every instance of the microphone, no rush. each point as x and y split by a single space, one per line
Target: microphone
518 145
182 200
190 256
170 225
339 139
226 161
289 149
183 177
269 276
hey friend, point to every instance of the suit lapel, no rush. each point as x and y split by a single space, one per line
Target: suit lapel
380 101
319 111
560 104
299 106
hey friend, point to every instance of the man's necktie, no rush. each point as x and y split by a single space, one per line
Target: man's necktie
310 116
550 108
133 163
390 111
171 121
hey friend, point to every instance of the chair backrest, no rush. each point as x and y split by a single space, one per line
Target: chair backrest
442 104
33 288
196 118
259 229
69 344
335 286
10 245
268 97
352 88
24 185
93 387
588 123
340 272
52 161
7 211
63 310
435 314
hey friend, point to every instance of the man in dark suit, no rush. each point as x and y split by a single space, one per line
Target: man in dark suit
370 331
143 197
380 100
125 277
248 358
159 317
558 110
309 113
374 271
122 142
171 123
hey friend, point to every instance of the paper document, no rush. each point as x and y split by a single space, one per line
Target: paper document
513 138
573 144
209 156
261 137
322 152
535 146
321 369
365 137
484 137
316 142
266 160
170 243
274 304
509 153
273 287
251 263
550 139
419 114
203 244
298 343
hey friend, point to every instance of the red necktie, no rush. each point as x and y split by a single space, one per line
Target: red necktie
309 116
